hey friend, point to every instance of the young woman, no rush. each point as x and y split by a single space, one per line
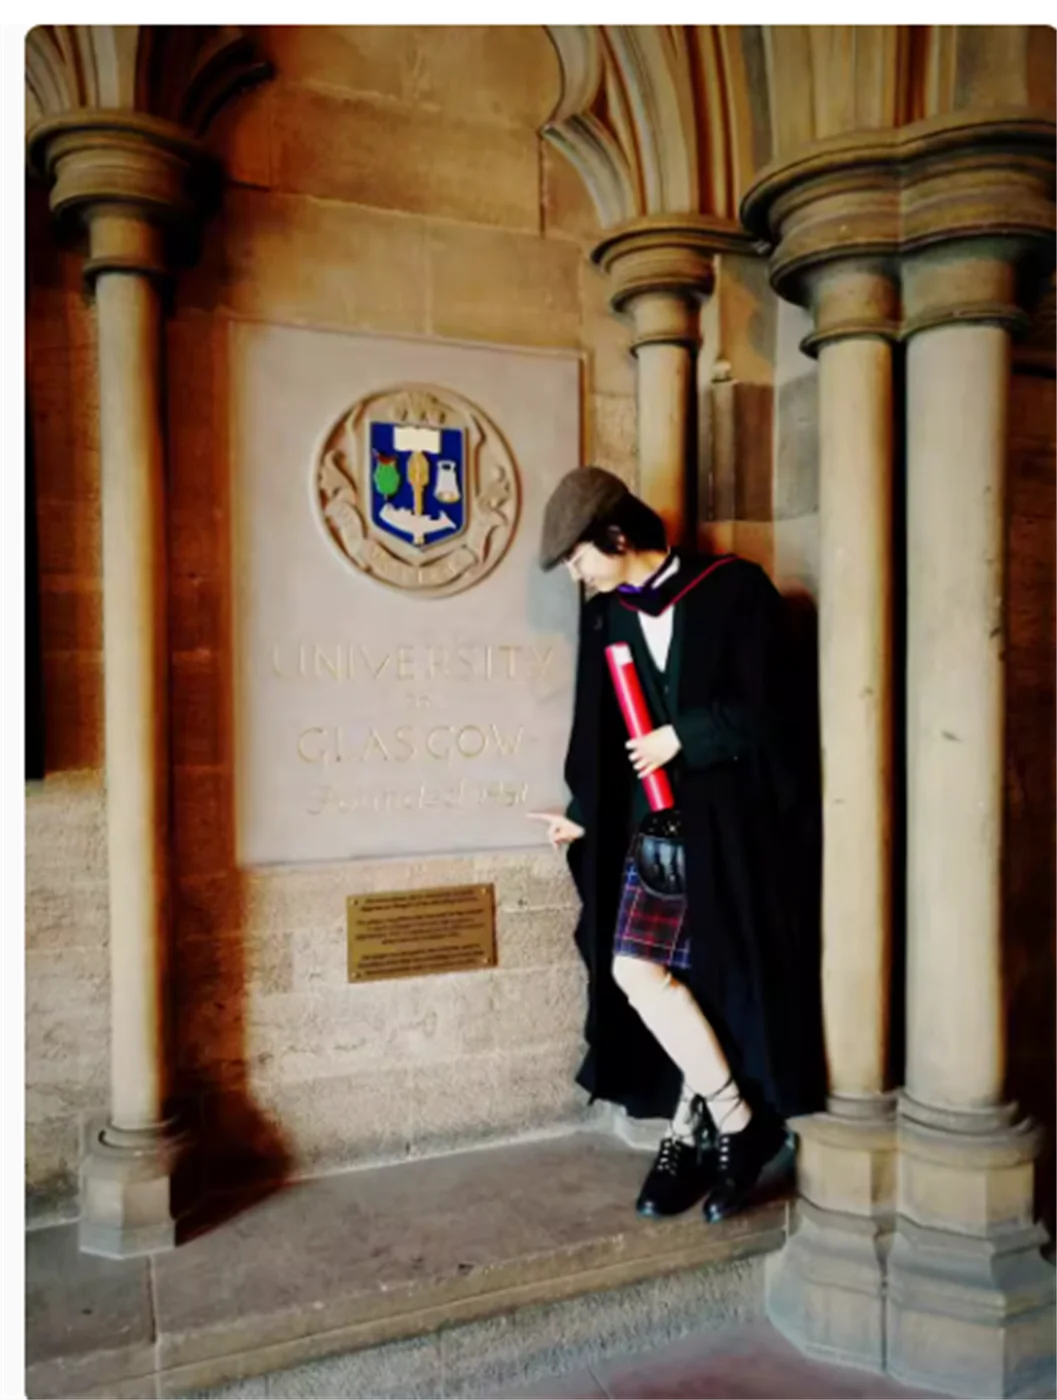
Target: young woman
705 1009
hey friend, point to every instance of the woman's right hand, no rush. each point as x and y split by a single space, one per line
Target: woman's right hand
560 828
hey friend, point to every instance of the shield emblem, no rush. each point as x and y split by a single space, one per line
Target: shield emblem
417 482
418 489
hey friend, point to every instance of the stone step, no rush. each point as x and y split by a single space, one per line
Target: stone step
452 1276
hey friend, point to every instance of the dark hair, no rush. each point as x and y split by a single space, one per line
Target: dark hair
629 525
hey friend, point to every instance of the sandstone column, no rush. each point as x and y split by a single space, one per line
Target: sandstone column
135 182
960 213
661 269
122 156
966 1156
827 1289
957 390
127 180
855 309
125 253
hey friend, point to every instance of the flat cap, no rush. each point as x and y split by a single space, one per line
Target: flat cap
581 497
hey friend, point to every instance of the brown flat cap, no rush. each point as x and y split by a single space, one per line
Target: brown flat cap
581 497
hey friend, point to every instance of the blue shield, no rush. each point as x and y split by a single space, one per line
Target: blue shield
418 482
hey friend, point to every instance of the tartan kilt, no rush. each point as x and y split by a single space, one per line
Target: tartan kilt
651 926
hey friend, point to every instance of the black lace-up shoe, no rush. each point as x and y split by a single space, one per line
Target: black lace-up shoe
682 1172
741 1159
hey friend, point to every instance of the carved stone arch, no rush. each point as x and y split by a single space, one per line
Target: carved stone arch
654 64
828 81
180 74
590 123
660 119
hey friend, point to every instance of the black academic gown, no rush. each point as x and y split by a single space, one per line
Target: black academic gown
743 782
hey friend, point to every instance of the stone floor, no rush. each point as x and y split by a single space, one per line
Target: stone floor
452 1276
748 1360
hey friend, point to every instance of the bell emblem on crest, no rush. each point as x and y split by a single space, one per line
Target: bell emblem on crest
447 486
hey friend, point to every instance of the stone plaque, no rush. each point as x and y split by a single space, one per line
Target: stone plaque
403 670
413 932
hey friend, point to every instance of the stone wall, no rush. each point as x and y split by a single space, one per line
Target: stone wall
389 180
67 1010
795 456
736 377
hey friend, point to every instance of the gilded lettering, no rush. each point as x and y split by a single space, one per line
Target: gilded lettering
404 735
509 747
318 757
471 729
376 671
330 665
542 660
511 655
374 742
438 729
325 795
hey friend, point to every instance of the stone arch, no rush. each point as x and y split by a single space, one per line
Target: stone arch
661 119
678 119
179 73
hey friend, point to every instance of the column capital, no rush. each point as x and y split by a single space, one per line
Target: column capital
977 282
138 184
661 267
980 188
852 298
116 117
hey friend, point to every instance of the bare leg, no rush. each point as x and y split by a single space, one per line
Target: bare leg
675 1020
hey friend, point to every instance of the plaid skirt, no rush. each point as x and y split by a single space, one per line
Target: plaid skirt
651 926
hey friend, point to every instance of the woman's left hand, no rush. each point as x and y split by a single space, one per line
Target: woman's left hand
653 750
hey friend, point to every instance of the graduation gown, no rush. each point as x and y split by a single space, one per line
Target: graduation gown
746 784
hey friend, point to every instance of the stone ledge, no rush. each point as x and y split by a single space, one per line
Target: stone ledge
364 1259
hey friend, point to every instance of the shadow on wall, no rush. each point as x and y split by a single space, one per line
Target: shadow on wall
66 906
241 1154
1030 908
64 435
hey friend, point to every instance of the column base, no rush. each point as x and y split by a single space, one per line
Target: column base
970 1306
971 1316
826 1289
127 1198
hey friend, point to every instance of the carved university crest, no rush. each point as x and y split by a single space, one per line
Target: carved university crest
417 489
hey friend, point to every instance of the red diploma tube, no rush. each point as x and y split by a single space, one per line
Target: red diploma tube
637 718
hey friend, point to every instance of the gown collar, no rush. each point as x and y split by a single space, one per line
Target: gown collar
676 576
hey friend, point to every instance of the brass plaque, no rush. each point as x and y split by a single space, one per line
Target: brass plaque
410 933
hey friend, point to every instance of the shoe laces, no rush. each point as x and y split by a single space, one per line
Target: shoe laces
668 1157
725 1149
704 1130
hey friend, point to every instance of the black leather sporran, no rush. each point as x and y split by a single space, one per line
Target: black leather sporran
660 853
